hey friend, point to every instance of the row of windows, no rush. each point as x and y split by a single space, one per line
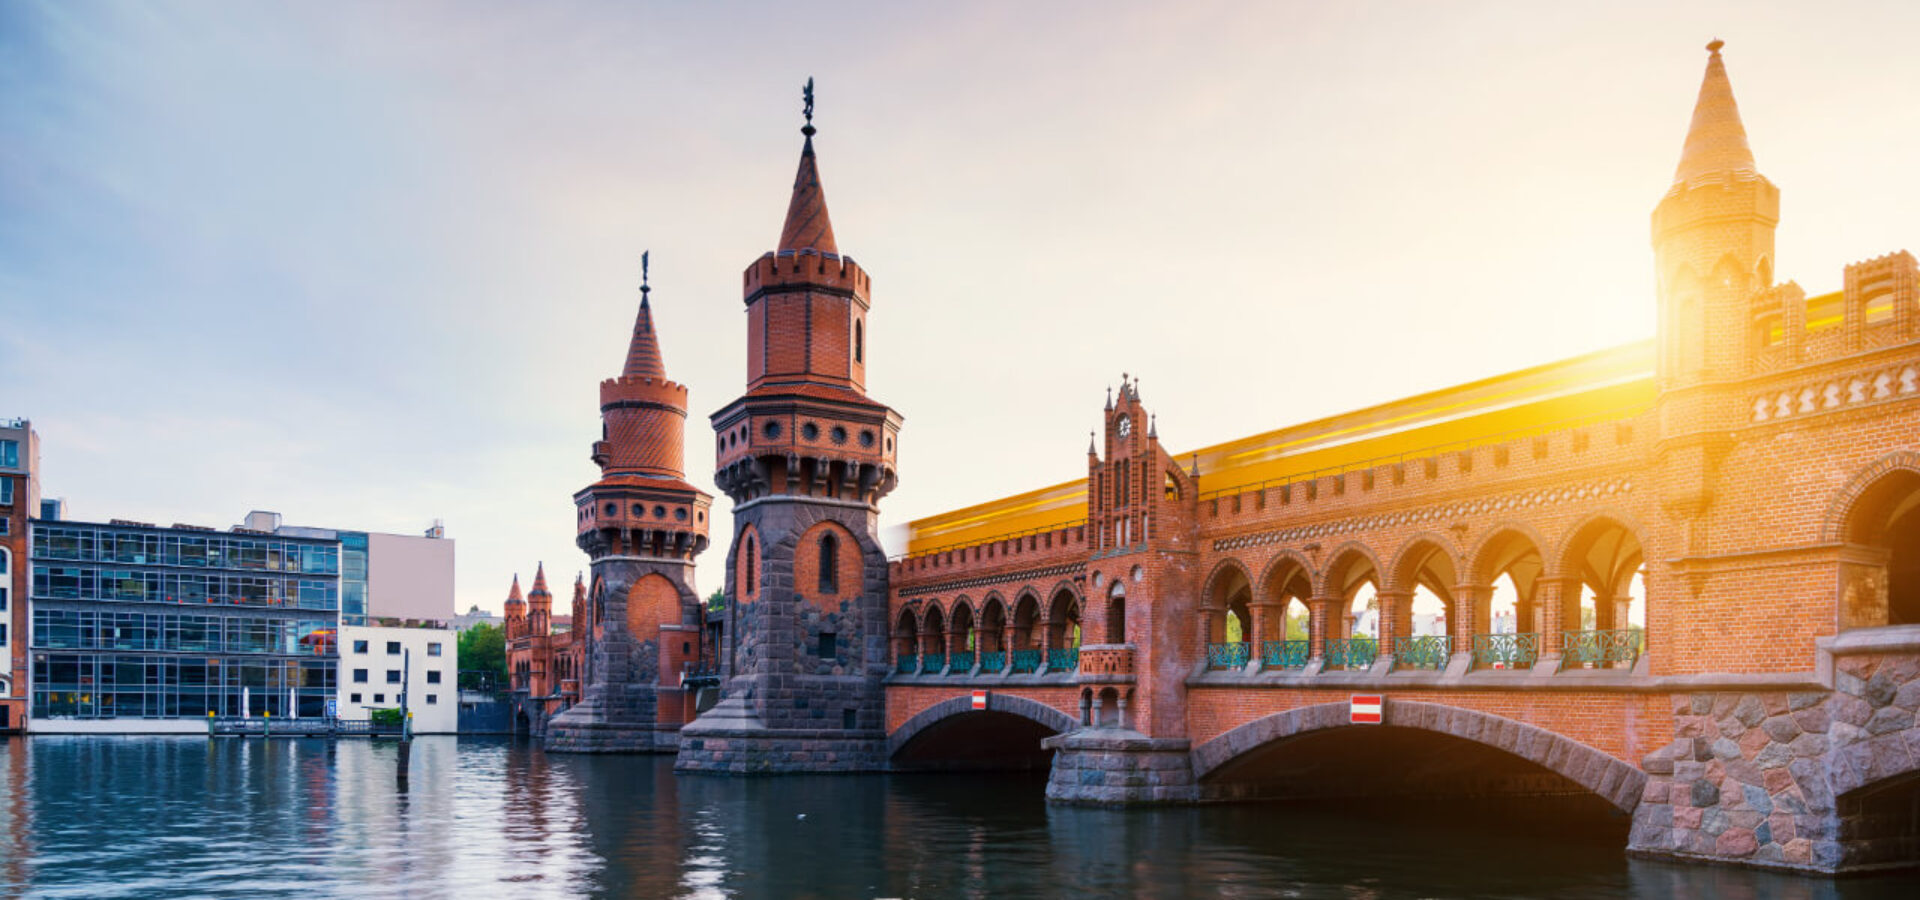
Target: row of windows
393 676
219 551
432 699
393 648
88 686
149 586
95 630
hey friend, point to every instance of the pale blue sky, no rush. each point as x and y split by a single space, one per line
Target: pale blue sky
365 264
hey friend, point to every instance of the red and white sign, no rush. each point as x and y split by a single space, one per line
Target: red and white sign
1365 709
979 699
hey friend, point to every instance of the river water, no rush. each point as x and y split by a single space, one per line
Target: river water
494 818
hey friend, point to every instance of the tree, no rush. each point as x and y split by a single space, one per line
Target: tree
717 599
484 648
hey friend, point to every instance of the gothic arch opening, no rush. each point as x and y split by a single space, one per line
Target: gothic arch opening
1117 613
1229 616
1881 584
1353 581
1505 630
1286 629
933 640
1603 557
993 632
1024 649
962 637
907 642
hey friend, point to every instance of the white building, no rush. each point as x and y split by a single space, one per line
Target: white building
378 664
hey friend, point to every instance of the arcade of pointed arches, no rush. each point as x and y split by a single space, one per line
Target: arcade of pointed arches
1022 634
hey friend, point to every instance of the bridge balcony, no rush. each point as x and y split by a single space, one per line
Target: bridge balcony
1284 654
1352 652
1231 655
1608 649
1506 651
1422 651
1106 662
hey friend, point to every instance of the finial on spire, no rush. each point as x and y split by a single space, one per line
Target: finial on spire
643 277
1193 470
806 93
1153 427
1714 45
1109 398
1091 451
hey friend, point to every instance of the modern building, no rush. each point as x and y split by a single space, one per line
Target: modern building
137 627
475 616
386 667
19 497
384 577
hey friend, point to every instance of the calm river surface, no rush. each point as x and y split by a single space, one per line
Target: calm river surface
189 817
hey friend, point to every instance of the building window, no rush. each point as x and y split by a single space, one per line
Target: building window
359 676
859 342
3 634
433 676
10 454
379 698
6 526
359 646
751 568
6 491
353 698
829 564
433 699
393 648
829 645
433 649
393 676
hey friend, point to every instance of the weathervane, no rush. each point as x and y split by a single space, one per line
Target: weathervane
807 94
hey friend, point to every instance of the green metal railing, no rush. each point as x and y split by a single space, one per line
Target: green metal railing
1284 654
1506 651
993 661
909 664
962 662
1352 653
1063 659
933 662
1600 649
1422 651
1229 656
1025 661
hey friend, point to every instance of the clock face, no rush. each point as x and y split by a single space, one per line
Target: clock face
1126 426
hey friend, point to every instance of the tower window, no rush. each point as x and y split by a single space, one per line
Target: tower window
829 645
750 566
859 342
829 564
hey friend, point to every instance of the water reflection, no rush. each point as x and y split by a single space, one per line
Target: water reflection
160 817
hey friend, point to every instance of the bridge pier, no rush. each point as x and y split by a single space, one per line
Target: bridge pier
1119 767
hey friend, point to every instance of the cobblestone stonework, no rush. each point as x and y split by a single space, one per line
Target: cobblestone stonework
1776 777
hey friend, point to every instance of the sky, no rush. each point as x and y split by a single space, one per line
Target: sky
365 264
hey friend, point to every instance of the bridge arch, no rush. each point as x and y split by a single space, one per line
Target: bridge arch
1617 782
1876 517
1005 735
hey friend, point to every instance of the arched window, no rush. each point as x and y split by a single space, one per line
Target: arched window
829 564
751 568
1117 616
859 342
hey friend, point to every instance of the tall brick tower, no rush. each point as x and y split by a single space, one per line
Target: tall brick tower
642 525
805 456
1713 254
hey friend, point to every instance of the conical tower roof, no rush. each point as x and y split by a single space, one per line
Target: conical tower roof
643 352
1716 141
539 582
807 226
513 595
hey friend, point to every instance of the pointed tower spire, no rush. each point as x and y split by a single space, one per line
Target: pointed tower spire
539 581
643 353
807 226
513 596
1716 141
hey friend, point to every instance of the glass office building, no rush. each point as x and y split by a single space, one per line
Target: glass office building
133 621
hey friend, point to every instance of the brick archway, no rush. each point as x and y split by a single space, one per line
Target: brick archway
1034 711
1615 781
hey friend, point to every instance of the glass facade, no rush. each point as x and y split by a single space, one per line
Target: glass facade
353 578
145 622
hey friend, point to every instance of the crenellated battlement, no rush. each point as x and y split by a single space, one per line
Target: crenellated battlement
644 389
806 267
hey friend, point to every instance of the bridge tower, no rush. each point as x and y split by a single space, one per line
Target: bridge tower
1713 255
642 525
1139 639
805 455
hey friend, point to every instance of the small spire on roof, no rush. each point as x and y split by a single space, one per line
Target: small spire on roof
1091 451
513 595
1153 427
1716 138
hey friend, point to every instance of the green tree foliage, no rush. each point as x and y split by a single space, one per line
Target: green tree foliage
717 599
484 647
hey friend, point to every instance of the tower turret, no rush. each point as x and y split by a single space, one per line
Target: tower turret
515 611
1712 241
642 525
805 455
540 603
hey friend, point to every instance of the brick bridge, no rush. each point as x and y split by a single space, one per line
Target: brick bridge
1678 580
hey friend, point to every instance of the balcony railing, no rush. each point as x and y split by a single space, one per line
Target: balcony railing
961 662
1352 653
1600 649
1506 651
993 661
933 662
1025 661
1229 656
1422 651
909 663
1063 659
1284 654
